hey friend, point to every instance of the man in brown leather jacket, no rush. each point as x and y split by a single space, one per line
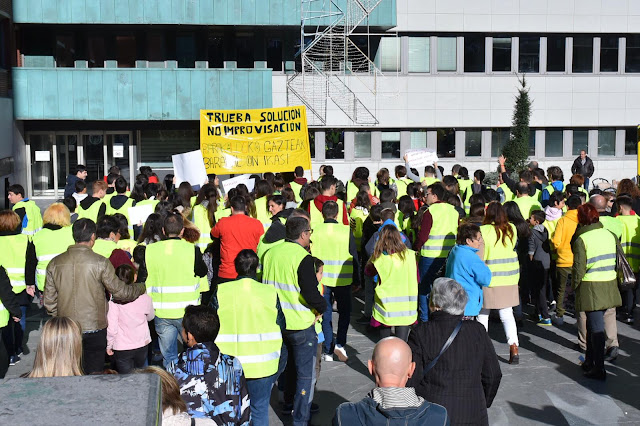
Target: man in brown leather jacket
76 284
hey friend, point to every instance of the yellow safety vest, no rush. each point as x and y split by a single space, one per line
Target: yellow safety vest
281 270
91 212
356 220
501 259
600 246
332 247
248 328
442 236
34 218
104 247
527 205
296 188
122 210
201 221
402 184
222 213
171 283
612 224
316 215
630 240
508 194
551 226
49 244
352 191
396 295
12 257
428 180
153 203
262 213
127 245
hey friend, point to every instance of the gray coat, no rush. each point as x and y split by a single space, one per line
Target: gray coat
539 246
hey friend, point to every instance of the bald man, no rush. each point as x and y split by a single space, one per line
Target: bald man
606 218
391 366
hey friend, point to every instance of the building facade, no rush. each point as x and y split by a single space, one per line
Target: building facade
122 81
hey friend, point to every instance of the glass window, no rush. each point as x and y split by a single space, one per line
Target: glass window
157 146
155 51
419 54
474 46
215 51
529 56
65 51
390 144
501 54
42 171
312 143
447 56
362 142
631 141
334 144
126 51
606 142
186 50
556 47
419 139
274 54
580 141
244 51
388 55
633 53
553 143
446 143
499 138
582 54
96 52
532 143
609 53
473 143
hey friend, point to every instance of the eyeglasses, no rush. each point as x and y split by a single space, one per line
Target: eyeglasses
310 231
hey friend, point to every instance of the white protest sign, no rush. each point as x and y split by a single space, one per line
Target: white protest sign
418 158
189 167
139 214
229 184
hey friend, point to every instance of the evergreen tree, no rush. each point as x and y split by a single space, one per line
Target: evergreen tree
516 151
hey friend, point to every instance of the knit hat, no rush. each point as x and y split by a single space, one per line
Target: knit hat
120 257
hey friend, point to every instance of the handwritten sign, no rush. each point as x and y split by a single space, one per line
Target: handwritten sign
189 167
418 158
229 184
255 141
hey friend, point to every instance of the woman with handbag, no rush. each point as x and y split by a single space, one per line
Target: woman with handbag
594 280
456 364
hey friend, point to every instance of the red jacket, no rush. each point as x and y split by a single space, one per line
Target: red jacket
321 199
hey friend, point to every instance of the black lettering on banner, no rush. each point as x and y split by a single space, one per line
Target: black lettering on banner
252 161
209 115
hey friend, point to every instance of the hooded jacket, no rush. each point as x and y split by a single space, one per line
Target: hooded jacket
368 412
561 240
539 246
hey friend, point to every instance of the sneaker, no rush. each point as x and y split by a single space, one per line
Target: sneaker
596 374
19 351
612 354
341 353
545 322
552 305
14 359
557 321
327 358
363 320
628 319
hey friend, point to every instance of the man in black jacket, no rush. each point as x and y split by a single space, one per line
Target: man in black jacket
583 166
10 302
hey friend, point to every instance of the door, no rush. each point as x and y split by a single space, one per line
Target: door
118 153
93 152
42 159
66 159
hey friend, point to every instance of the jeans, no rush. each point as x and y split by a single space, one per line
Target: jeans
302 346
168 331
343 299
428 267
595 339
94 351
586 183
369 295
260 393
508 323
13 334
129 360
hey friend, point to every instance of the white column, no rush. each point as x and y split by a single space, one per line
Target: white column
622 54
349 146
320 145
593 143
568 56
405 141
433 54
376 146
543 55
620 137
486 144
540 144
567 143
597 43
488 54
460 151
432 139
460 54
515 54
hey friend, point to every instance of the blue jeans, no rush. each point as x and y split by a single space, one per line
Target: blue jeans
168 331
343 298
302 348
428 268
260 392
586 183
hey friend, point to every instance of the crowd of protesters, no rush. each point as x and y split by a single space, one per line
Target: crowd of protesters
234 293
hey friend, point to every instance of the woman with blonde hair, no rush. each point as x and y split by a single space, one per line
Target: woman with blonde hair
59 351
53 239
396 292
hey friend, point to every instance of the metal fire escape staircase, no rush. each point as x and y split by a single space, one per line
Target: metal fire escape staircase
328 58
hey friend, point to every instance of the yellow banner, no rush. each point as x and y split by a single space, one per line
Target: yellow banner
255 141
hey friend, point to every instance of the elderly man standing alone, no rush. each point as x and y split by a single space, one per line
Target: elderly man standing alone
583 166
76 284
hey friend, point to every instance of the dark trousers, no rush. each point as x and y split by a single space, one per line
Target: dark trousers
12 336
94 349
560 284
539 277
342 296
428 268
629 299
595 339
302 349
402 332
129 360
4 356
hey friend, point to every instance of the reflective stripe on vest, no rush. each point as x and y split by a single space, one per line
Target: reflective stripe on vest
442 236
396 295
630 240
281 270
501 259
34 217
49 244
12 257
600 246
332 247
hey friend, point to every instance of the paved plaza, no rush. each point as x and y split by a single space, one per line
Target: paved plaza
546 388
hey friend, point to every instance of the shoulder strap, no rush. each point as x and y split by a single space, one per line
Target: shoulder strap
454 333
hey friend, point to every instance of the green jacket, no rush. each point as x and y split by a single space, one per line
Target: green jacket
590 296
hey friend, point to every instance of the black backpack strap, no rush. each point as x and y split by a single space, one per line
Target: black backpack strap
454 333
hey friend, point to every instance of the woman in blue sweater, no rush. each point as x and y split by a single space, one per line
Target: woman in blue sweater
465 265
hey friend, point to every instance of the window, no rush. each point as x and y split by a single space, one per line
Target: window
65 51
609 53
529 56
473 143
390 144
388 55
556 47
532 143
312 143
631 141
633 53
606 142
580 141
186 50
157 146
553 143
126 51
96 52
419 54
334 144
447 56
446 145
215 51
582 54
474 46
155 49
419 139
499 138
244 51
501 54
274 54
362 142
